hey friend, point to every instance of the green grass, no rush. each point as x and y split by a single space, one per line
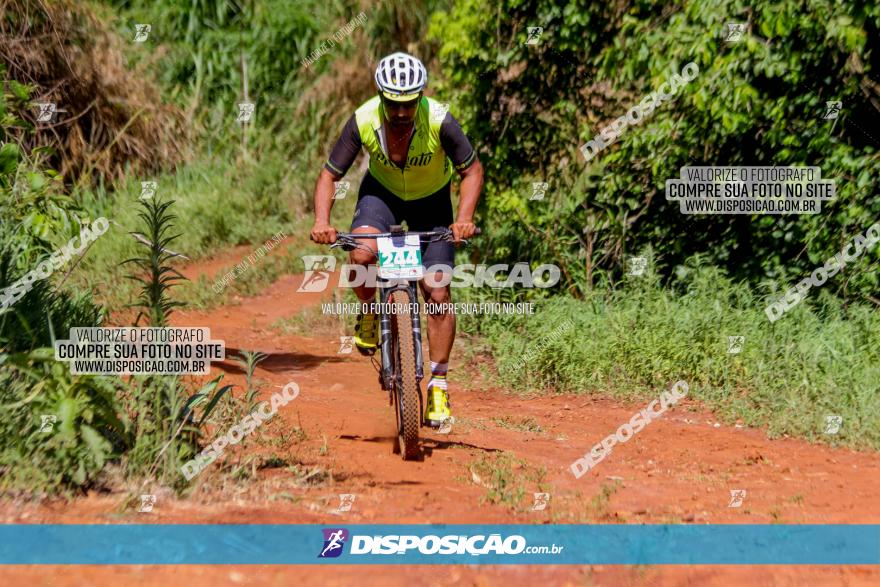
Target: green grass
598 508
217 204
508 480
636 341
527 424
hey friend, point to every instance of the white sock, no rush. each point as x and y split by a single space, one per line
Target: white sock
438 376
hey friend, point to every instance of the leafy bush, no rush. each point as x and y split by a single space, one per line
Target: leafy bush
528 108
640 338
87 431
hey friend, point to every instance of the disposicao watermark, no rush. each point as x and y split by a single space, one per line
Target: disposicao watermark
734 32
820 275
346 501
248 262
147 503
627 430
637 266
318 269
235 434
543 343
539 188
340 189
56 260
47 111
756 189
142 32
338 36
47 422
541 501
171 350
735 344
637 114
832 423
736 497
245 111
534 35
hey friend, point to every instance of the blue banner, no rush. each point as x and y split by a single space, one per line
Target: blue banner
217 544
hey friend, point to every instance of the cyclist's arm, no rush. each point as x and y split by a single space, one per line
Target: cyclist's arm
469 192
341 158
459 150
345 151
324 191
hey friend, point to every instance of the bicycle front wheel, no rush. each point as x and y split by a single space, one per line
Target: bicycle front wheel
407 388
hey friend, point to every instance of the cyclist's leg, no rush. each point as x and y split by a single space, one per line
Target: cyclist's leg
433 213
372 214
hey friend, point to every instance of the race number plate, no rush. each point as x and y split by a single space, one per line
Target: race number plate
400 257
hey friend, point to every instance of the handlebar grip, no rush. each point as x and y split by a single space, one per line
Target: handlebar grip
478 231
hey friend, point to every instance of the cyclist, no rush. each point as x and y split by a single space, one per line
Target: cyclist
413 144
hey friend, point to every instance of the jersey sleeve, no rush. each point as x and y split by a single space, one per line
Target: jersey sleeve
457 146
346 149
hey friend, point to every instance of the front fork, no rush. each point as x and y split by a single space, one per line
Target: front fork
385 345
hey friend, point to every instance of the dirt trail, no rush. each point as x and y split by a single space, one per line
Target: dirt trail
680 468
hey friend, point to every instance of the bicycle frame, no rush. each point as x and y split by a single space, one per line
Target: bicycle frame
390 380
385 332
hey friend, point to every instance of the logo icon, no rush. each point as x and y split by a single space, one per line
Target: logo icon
141 32
148 189
538 190
735 32
317 275
832 423
735 344
345 345
341 189
334 540
47 422
637 266
439 110
736 497
147 502
346 500
47 111
541 501
832 109
245 111
534 35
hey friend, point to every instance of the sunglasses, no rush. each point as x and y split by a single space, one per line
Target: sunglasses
392 104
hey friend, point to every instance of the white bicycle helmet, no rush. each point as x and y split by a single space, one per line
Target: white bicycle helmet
400 77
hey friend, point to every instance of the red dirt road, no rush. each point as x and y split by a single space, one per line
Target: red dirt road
679 469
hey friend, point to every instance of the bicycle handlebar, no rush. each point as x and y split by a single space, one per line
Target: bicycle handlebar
346 240
370 235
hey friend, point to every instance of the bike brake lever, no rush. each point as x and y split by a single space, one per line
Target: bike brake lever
451 239
344 245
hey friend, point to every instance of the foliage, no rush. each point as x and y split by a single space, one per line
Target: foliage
249 360
111 119
35 219
160 277
528 108
88 431
819 359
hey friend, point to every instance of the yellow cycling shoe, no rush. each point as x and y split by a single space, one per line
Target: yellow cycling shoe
437 413
366 333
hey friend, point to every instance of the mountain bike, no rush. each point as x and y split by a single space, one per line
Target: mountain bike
400 343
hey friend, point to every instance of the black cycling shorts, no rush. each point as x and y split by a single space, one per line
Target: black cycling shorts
379 208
